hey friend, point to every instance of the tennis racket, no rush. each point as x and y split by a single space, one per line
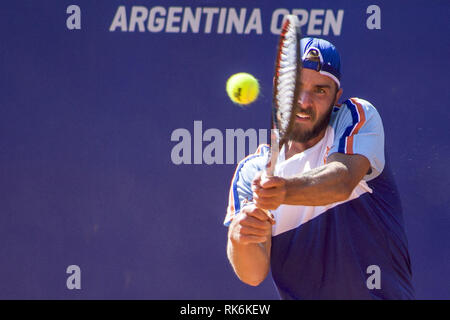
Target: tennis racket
285 89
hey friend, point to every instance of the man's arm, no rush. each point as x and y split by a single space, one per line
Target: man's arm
249 242
327 184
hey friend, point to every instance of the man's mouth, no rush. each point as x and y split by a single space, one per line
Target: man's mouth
302 117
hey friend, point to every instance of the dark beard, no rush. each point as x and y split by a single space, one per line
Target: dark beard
298 134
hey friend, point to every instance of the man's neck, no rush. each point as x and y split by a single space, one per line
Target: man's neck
294 147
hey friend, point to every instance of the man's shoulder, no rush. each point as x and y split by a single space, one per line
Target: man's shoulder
354 109
255 161
357 103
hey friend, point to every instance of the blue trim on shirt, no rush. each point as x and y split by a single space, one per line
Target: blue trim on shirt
349 129
237 204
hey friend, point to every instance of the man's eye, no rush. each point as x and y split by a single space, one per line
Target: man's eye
320 90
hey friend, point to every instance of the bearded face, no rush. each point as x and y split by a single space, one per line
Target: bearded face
311 115
304 133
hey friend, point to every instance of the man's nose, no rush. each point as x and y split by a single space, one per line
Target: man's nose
304 98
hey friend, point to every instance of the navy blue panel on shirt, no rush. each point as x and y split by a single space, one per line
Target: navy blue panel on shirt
328 257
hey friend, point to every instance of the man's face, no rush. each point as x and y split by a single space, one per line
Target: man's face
312 113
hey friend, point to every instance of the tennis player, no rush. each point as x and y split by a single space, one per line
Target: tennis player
338 230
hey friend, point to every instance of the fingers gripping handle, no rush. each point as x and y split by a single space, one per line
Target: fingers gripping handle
267 212
270 168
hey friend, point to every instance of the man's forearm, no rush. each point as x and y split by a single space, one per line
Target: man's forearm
250 262
320 186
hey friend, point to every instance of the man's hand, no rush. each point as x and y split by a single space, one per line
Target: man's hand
268 192
249 243
251 225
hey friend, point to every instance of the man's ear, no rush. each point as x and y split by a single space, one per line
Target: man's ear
338 95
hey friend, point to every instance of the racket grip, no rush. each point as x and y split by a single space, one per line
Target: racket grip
274 152
269 215
270 168
266 211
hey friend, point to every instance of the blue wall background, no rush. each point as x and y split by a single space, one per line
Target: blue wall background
86 118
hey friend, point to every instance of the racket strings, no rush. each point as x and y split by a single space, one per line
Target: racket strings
285 89
286 74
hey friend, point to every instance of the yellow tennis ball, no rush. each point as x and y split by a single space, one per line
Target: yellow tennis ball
242 88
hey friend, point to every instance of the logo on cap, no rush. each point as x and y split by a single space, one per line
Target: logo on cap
313 55
312 59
